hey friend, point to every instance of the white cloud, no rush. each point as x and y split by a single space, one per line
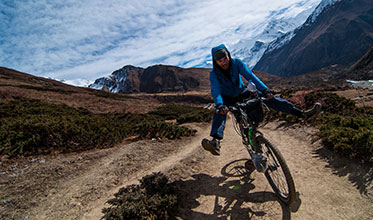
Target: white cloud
89 39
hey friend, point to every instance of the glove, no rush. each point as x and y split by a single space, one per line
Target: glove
268 93
222 109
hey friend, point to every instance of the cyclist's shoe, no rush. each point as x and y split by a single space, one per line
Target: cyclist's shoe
213 146
315 110
260 162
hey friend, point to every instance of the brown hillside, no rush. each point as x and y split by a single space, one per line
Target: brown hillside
17 84
327 78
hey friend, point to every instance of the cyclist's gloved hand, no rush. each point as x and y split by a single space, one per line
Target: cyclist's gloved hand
268 93
222 109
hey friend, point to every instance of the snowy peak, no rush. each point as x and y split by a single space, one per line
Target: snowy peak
284 39
278 27
120 81
338 32
320 8
281 25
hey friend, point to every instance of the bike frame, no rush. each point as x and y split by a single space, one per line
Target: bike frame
248 129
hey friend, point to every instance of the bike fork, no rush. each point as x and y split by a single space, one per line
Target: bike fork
255 151
251 134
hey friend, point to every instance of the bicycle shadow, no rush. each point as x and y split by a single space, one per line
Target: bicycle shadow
234 196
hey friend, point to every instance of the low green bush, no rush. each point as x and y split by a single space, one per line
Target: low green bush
287 92
153 199
110 95
350 136
160 129
44 89
344 128
183 113
34 127
332 103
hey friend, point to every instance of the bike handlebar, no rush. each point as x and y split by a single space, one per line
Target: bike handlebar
245 102
253 99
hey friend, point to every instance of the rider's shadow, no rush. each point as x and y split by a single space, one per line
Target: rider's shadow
234 188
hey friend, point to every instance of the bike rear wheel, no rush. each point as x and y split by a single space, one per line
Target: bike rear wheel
278 173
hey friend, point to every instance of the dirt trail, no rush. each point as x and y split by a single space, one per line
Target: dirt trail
216 187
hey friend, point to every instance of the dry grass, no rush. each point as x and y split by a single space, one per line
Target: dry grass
16 84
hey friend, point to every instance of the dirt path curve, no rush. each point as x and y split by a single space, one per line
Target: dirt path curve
215 187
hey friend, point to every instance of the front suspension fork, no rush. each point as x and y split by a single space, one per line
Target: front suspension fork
251 135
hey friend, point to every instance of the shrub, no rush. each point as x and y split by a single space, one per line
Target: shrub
345 128
183 113
332 103
34 127
151 129
349 136
287 92
62 91
153 199
115 96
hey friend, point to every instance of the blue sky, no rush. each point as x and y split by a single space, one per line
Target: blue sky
76 40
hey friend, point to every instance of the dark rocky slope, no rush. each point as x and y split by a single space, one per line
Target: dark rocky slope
341 34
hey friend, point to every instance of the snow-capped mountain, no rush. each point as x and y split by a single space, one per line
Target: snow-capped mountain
76 82
337 32
323 4
285 38
120 81
154 79
280 24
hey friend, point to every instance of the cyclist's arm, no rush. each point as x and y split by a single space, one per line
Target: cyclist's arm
215 89
249 75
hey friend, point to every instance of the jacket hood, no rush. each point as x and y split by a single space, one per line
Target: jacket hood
213 51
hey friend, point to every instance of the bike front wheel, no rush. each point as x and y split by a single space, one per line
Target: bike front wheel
277 173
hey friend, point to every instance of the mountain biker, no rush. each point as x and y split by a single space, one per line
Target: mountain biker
227 88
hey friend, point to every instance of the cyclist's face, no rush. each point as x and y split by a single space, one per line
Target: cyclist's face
223 62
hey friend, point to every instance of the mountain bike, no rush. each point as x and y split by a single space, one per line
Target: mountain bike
266 157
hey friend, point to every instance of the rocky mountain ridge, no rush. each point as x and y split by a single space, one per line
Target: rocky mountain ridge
362 69
122 80
340 34
161 78
285 38
154 79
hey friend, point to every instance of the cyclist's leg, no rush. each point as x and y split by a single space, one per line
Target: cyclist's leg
218 121
283 105
218 126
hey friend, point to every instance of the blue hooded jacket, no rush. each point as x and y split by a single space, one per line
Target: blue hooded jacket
222 86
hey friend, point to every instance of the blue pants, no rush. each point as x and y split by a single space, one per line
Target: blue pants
276 103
